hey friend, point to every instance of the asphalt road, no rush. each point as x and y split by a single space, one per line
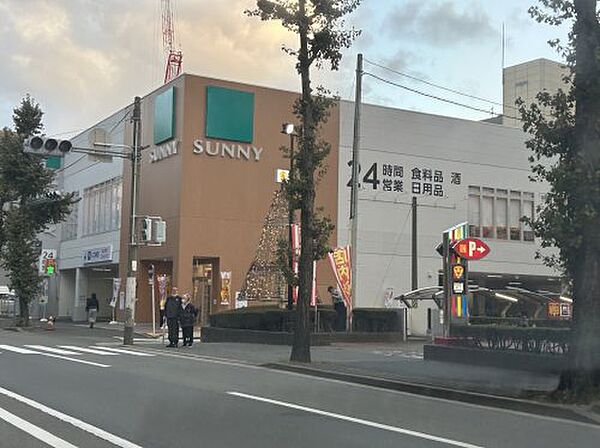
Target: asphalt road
72 397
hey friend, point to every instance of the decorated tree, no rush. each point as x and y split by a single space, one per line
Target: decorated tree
28 204
565 144
319 25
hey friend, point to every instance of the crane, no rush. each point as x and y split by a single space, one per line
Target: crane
174 57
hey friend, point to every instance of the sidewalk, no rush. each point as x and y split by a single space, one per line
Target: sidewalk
143 330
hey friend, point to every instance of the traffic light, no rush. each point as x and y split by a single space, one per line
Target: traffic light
49 266
146 229
44 146
160 231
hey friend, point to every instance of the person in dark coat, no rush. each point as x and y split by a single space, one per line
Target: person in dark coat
92 306
340 309
172 311
187 318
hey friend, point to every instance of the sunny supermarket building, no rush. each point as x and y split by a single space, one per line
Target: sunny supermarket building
210 170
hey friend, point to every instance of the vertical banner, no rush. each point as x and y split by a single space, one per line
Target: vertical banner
225 288
457 276
340 262
162 288
116 288
296 246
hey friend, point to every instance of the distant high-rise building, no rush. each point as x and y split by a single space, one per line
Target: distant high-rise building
526 80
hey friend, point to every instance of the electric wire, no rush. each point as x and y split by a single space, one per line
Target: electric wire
438 98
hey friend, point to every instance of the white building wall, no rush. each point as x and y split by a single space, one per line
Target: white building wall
485 155
80 172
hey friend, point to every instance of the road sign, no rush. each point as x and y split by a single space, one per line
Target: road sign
458 272
471 249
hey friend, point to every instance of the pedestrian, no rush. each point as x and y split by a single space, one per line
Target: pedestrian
172 311
187 317
161 311
92 306
340 309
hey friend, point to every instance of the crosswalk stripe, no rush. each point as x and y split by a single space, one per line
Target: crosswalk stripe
20 350
88 350
34 431
81 361
52 350
118 350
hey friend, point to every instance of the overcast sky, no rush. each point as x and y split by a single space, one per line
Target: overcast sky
84 59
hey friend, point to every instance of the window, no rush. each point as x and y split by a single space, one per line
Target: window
69 226
474 212
497 213
501 214
102 207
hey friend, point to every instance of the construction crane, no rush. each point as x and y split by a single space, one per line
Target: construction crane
174 57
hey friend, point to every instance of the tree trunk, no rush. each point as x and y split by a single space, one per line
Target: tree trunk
23 320
301 340
583 376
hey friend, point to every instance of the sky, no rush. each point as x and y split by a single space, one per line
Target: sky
84 59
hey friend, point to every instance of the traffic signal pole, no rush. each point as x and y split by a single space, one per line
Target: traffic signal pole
132 254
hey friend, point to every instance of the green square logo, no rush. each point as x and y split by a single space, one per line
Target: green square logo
164 116
229 114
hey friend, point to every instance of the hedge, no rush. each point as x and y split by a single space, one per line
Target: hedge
268 319
518 322
527 339
377 320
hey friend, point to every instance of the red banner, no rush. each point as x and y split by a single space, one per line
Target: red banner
341 264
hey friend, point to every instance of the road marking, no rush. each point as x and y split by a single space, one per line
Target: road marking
359 421
88 350
100 433
35 431
20 350
118 350
81 361
52 350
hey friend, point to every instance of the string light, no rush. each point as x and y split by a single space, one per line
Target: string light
265 280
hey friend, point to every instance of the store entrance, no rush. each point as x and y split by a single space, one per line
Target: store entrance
205 287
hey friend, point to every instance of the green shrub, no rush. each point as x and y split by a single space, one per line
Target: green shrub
527 339
376 320
268 319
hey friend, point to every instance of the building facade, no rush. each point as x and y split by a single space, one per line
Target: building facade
210 164
525 81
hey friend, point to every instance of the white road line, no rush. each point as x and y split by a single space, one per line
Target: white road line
20 350
58 351
88 350
81 361
100 433
118 350
359 421
35 431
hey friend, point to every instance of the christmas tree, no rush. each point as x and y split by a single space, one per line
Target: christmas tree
265 280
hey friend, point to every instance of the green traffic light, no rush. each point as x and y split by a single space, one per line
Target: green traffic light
50 270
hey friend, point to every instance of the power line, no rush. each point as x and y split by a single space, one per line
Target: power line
447 89
70 164
439 98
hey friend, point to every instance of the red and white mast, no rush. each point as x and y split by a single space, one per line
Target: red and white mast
174 58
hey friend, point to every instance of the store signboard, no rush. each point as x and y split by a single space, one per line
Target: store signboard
97 255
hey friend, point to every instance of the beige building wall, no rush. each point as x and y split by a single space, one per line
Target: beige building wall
526 81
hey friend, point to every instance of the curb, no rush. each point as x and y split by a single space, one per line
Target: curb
513 404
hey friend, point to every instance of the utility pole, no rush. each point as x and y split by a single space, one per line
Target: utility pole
290 289
132 244
414 267
355 178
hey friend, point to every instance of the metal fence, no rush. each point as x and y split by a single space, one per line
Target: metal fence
8 306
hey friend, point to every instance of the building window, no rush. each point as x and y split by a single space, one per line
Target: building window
497 213
102 207
69 226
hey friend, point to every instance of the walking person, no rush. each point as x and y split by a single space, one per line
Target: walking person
187 317
172 311
340 309
92 306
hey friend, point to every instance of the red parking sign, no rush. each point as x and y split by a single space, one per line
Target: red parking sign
471 249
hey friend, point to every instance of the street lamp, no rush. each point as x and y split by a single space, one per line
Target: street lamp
288 129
